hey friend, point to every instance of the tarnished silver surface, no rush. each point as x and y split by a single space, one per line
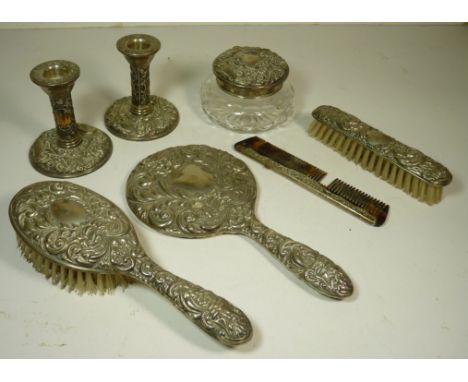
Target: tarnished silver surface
250 71
198 191
76 227
71 149
403 156
58 162
162 119
142 116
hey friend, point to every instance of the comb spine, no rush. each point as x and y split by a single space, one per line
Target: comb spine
307 182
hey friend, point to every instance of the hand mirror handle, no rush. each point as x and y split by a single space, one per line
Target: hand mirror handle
316 270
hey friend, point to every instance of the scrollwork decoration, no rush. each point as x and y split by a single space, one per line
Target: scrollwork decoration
406 157
197 191
76 227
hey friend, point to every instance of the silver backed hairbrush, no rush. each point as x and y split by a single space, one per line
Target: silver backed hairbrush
400 165
80 240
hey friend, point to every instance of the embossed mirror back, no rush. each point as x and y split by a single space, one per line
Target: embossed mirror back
192 191
198 191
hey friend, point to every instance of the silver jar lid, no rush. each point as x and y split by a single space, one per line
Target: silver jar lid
250 72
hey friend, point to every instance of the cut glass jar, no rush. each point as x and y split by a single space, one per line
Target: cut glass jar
248 91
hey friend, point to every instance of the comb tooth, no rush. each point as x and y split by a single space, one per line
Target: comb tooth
316 174
344 190
356 197
335 186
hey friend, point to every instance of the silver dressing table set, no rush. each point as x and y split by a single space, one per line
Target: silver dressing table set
83 242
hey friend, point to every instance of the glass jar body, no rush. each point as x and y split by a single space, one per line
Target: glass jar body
247 114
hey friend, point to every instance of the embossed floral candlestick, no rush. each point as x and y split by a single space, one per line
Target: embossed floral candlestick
142 116
71 149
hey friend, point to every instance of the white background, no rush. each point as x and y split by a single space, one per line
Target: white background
410 276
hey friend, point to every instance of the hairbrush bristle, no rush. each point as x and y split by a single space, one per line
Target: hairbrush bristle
380 166
74 280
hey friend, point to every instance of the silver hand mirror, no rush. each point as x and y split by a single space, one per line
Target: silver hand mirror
197 191
78 238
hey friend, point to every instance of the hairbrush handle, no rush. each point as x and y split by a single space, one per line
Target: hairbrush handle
316 270
212 313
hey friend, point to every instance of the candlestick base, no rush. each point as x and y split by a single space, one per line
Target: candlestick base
49 158
120 120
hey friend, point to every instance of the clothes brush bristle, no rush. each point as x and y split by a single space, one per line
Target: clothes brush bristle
376 164
74 280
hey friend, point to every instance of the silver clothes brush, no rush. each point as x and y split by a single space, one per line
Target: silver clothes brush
400 165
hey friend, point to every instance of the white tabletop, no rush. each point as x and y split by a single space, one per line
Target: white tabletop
410 275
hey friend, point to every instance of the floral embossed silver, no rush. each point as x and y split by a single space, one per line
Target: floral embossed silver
250 71
142 116
248 90
403 156
71 149
197 191
80 229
